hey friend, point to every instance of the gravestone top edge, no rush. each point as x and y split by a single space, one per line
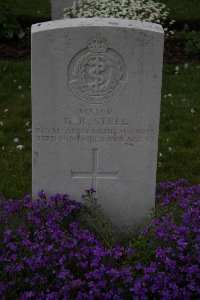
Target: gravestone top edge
104 22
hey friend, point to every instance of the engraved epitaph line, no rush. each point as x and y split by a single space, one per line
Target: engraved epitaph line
94 174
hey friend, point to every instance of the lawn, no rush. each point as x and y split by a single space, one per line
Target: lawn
15 175
183 11
179 129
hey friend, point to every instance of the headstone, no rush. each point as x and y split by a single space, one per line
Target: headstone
57 7
96 92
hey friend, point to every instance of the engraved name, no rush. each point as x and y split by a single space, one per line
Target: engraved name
97 121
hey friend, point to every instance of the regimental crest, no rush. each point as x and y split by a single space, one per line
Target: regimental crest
97 74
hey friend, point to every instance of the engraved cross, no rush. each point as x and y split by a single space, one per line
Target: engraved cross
94 174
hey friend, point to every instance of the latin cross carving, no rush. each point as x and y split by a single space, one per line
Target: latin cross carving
94 174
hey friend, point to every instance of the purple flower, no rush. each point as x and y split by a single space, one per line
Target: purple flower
42 195
47 254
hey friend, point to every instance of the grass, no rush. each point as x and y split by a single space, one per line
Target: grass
183 11
179 129
15 174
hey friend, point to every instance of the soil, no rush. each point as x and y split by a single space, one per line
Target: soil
174 52
16 49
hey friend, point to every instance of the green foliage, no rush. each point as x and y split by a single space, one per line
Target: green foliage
184 12
93 217
179 125
30 11
128 9
15 122
190 41
9 26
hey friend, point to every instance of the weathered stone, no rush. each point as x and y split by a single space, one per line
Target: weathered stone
96 91
57 7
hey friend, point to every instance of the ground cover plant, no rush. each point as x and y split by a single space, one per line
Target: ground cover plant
149 11
46 253
183 11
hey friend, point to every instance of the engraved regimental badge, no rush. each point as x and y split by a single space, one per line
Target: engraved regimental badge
97 74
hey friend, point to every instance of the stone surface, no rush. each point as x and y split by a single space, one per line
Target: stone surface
57 7
96 91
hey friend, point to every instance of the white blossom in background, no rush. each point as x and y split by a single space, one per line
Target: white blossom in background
186 65
177 69
192 110
6 110
168 96
170 149
1 123
27 124
16 140
160 154
3 148
20 147
19 87
149 11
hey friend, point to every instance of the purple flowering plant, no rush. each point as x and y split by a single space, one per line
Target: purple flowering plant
92 217
47 251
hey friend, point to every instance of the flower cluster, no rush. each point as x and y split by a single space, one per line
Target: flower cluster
147 10
46 254
174 242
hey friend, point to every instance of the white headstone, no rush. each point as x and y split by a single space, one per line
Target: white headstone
57 7
96 92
